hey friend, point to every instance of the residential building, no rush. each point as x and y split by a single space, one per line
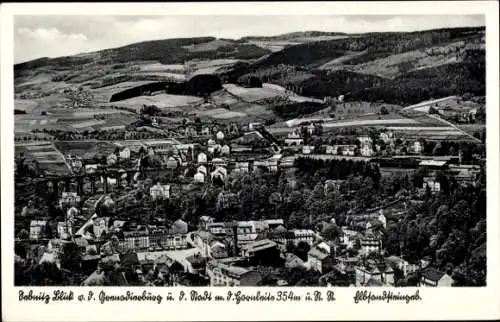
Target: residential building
433 278
402 265
64 229
209 245
160 191
366 150
222 274
199 177
370 243
417 147
432 183
202 158
38 229
321 258
204 222
262 251
225 150
373 273
135 240
294 139
70 198
307 149
219 136
179 227
100 226
329 149
125 153
241 167
218 162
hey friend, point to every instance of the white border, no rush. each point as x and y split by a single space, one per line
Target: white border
456 303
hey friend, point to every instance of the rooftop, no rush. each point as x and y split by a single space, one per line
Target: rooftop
432 163
432 274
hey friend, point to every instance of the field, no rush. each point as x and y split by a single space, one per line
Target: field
85 149
160 100
47 156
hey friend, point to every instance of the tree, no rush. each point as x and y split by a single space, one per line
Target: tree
383 110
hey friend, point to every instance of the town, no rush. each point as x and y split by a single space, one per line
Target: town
215 180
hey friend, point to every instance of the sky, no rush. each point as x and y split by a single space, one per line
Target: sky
54 36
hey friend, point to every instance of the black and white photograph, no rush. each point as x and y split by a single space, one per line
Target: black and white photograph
334 150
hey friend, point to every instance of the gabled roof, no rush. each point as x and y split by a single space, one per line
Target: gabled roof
432 274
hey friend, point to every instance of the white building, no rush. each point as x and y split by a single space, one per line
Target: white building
199 177
160 191
225 150
202 158
125 153
219 136
294 139
307 149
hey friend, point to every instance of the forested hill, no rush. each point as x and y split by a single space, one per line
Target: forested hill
399 68
167 51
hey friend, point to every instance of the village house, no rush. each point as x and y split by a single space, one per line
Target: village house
307 149
222 274
204 221
196 264
225 150
217 229
124 153
370 243
199 177
160 191
172 163
321 258
372 273
387 137
329 149
70 198
219 173
402 265
347 237
294 139
366 150
205 131
433 278
433 184
38 229
202 158
209 245
241 167
261 252
218 162
219 136
345 150
310 129
417 147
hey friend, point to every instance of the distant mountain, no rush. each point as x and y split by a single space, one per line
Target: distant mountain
168 51
294 36
396 67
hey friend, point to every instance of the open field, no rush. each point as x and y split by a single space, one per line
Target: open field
160 100
85 149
